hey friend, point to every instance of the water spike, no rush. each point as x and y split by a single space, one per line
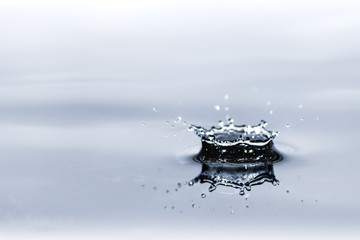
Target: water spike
212 188
221 123
263 123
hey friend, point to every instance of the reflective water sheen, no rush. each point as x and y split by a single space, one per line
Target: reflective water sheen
96 98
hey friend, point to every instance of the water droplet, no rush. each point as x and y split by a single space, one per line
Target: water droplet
179 118
247 206
217 107
179 185
176 189
154 109
167 122
193 205
232 211
302 119
203 195
271 112
167 191
268 103
287 125
300 106
226 97
191 183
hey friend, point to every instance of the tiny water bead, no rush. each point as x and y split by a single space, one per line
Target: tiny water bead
203 195
154 109
217 107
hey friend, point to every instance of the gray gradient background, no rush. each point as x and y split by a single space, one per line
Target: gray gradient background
79 137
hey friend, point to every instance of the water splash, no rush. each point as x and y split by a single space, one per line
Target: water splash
238 156
230 134
236 143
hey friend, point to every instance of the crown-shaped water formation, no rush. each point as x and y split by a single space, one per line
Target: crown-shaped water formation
238 156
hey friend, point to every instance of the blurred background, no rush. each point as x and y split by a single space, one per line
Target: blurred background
96 98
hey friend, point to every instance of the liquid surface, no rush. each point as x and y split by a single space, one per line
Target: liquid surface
96 100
